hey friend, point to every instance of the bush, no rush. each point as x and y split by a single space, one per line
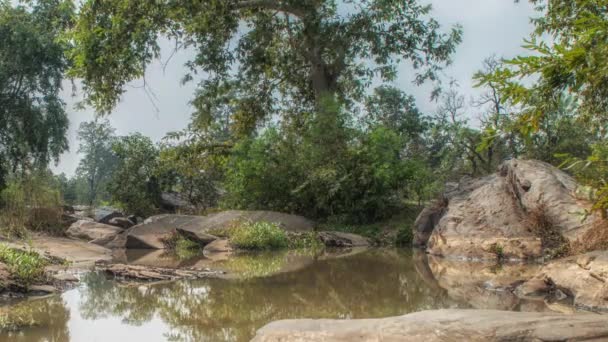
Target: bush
26 267
32 201
258 235
405 236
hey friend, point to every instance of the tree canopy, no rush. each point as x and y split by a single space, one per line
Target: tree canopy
33 122
262 57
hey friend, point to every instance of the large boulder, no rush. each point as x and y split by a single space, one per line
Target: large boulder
443 326
122 222
514 213
95 232
105 214
583 277
155 230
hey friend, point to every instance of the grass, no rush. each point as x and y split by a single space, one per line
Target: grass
258 236
25 267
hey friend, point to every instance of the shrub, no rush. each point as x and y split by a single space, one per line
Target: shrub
258 235
404 237
307 240
32 201
26 267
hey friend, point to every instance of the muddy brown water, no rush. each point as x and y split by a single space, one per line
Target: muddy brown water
265 287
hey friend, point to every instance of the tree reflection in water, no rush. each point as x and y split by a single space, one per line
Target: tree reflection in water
46 319
375 283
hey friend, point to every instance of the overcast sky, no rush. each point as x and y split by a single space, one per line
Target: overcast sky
490 27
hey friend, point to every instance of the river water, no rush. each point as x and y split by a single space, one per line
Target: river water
263 288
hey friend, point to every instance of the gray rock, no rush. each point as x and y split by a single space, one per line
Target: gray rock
121 222
93 231
443 326
491 217
156 229
105 214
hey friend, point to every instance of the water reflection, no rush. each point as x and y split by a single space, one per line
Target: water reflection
375 283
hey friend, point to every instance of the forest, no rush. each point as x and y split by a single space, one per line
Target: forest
298 113
309 181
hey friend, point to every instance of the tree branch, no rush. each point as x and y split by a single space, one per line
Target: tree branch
276 5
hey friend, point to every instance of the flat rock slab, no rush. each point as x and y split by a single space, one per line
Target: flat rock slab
154 230
93 231
78 253
443 326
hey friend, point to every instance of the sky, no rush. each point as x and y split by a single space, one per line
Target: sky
491 27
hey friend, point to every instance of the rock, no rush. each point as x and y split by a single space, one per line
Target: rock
443 326
80 254
121 222
504 215
93 231
583 277
202 239
105 214
134 219
340 239
148 273
156 229
175 202
218 250
42 289
426 222
81 208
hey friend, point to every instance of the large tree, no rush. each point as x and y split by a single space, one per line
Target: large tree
33 122
96 139
261 56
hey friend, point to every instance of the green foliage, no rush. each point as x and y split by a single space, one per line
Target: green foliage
31 201
291 51
327 168
191 167
33 122
26 267
134 183
258 235
98 161
592 171
305 241
562 114
405 236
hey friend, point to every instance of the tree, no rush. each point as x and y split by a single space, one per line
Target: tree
134 183
265 56
568 58
96 166
33 122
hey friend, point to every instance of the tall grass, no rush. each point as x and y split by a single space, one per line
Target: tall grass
32 202
258 235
